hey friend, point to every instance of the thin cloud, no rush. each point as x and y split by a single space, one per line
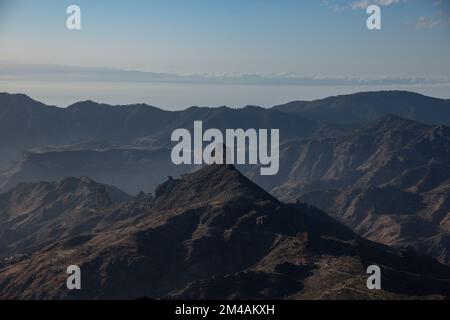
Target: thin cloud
357 5
36 72
441 18
363 4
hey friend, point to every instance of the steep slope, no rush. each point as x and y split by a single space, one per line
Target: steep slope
389 181
24 123
365 107
215 234
33 216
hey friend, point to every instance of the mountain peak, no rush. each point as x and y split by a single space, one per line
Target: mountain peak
211 234
212 183
395 119
391 122
7 95
84 104
364 107
18 100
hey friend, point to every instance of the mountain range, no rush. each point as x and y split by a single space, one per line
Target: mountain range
388 180
212 234
27 124
378 163
365 107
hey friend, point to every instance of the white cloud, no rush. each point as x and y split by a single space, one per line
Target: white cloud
426 22
441 18
359 4
19 71
363 4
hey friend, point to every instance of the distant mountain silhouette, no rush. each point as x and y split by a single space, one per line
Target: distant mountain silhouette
212 234
26 123
131 168
133 133
366 107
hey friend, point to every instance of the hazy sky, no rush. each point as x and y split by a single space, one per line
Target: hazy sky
311 39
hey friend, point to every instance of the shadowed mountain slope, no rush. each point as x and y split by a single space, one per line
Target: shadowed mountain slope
389 181
215 234
33 216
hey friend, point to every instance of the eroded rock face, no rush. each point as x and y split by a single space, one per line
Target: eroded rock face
35 215
389 181
215 234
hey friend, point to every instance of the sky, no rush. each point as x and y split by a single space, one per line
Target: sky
177 53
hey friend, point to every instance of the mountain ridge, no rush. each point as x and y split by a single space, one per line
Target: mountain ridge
365 107
245 246
30 124
388 180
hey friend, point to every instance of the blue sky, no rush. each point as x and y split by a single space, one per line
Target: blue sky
312 38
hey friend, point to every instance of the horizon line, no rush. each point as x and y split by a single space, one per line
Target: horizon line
214 107
20 71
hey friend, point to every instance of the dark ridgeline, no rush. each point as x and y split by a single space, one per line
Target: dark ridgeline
365 107
212 234
26 123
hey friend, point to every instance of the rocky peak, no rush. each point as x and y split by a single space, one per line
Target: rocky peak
212 184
